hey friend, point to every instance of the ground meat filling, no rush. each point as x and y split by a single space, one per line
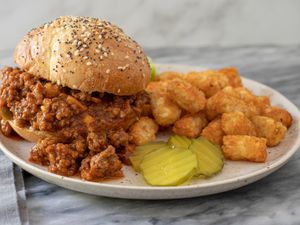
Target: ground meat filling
90 130
101 165
6 128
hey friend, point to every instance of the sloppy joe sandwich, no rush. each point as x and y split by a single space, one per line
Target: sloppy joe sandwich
77 91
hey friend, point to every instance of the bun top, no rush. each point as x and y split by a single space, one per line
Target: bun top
84 53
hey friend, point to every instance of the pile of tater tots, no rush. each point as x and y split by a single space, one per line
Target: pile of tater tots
215 105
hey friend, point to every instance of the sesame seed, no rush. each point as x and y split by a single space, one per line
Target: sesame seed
97 50
108 70
123 68
85 57
88 63
81 49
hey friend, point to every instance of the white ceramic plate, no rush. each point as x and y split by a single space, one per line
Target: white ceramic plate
234 174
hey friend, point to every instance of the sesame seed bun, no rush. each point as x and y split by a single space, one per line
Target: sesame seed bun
84 53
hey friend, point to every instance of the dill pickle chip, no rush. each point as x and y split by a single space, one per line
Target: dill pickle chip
141 150
169 167
210 157
153 70
6 113
179 141
214 147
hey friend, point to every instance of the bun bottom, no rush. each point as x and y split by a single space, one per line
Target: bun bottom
29 134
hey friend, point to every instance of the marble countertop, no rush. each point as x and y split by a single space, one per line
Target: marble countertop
273 200
167 23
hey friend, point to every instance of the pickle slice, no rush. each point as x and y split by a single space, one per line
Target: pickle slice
214 147
6 113
210 157
153 70
179 141
142 150
169 167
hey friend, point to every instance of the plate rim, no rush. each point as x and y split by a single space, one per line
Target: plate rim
261 172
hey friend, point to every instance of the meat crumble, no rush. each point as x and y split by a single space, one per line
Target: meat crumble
90 131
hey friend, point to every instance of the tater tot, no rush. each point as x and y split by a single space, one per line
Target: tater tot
143 131
222 103
243 147
158 87
279 114
186 96
169 75
245 94
260 102
190 125
214 132
263 100
233 76
230 91
210 81
240 92
236 123
270 129
164 110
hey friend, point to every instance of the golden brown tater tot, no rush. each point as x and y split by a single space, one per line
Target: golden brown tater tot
158 87
186 96
233 76
222 103
260 102
165 111
236 123
210 81
190 125
143 131
214 132
279 114
270 129
243 147
169 75
240 92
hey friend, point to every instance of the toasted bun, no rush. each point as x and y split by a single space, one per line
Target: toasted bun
84 53
29 134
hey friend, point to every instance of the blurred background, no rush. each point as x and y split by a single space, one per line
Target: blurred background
158 23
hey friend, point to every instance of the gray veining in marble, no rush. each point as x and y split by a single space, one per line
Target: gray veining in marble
274 200
159 23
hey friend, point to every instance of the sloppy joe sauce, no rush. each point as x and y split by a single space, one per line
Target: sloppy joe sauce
89 131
